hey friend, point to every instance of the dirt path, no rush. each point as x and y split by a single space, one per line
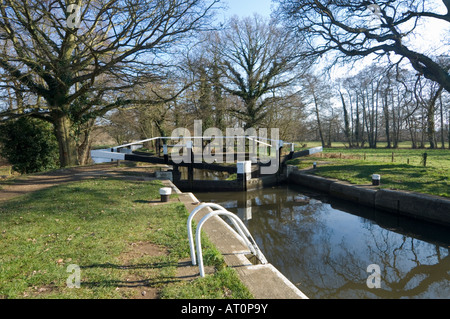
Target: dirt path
23 185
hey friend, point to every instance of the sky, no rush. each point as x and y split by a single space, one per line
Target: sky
431 34
428 37
245 8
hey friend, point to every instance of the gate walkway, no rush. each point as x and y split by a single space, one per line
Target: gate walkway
250 165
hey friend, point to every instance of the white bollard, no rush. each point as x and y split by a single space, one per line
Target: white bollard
376 179
245 168
165 193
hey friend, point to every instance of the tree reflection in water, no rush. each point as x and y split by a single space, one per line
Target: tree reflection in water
325 247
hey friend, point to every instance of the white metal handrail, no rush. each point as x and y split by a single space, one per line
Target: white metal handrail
237 223
253 138
245 235
189 226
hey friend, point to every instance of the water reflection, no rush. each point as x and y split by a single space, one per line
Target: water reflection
325 246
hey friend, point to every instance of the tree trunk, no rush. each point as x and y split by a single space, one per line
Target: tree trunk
431 126
330 123
367 120
218 99
431 131
251 114
357 129
319 124
423 129
346 122
386 120
66 141
84 150
394 124
352 124
85 142
412 134
376 119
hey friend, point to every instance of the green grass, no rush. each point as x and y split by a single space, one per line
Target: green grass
399 168
224 284
5 170
93 224
380 145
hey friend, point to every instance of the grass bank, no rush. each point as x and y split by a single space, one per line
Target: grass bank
401 168
102 226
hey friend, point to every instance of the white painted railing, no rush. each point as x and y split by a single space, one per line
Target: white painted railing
114 153
238 225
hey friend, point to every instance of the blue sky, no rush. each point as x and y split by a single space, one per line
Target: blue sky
429 34
244 8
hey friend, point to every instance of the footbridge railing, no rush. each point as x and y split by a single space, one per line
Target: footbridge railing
123 152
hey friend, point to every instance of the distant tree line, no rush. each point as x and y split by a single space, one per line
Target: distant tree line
384 104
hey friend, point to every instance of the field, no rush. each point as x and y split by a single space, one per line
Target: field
401 168
123 246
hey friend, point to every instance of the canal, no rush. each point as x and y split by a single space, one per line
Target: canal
324 246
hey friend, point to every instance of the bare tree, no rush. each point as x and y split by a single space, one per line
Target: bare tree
444 110
120 126
206 92
78 61
257 59
317 95
347 128
427 100
347 27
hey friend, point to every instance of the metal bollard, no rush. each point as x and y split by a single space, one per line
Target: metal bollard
165 193
376 179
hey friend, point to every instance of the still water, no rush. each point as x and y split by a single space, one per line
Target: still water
325 246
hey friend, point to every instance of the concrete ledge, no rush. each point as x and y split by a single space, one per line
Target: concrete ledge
316 182
422 206
266 282
229 186
344 191
367 196
427 207
263 281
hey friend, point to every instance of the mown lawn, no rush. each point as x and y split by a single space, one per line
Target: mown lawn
401 168
94 225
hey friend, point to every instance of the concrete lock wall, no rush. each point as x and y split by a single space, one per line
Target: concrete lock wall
237 185
426 207
243 181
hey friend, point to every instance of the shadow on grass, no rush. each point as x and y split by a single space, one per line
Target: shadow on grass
152 283
154 279
157 265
